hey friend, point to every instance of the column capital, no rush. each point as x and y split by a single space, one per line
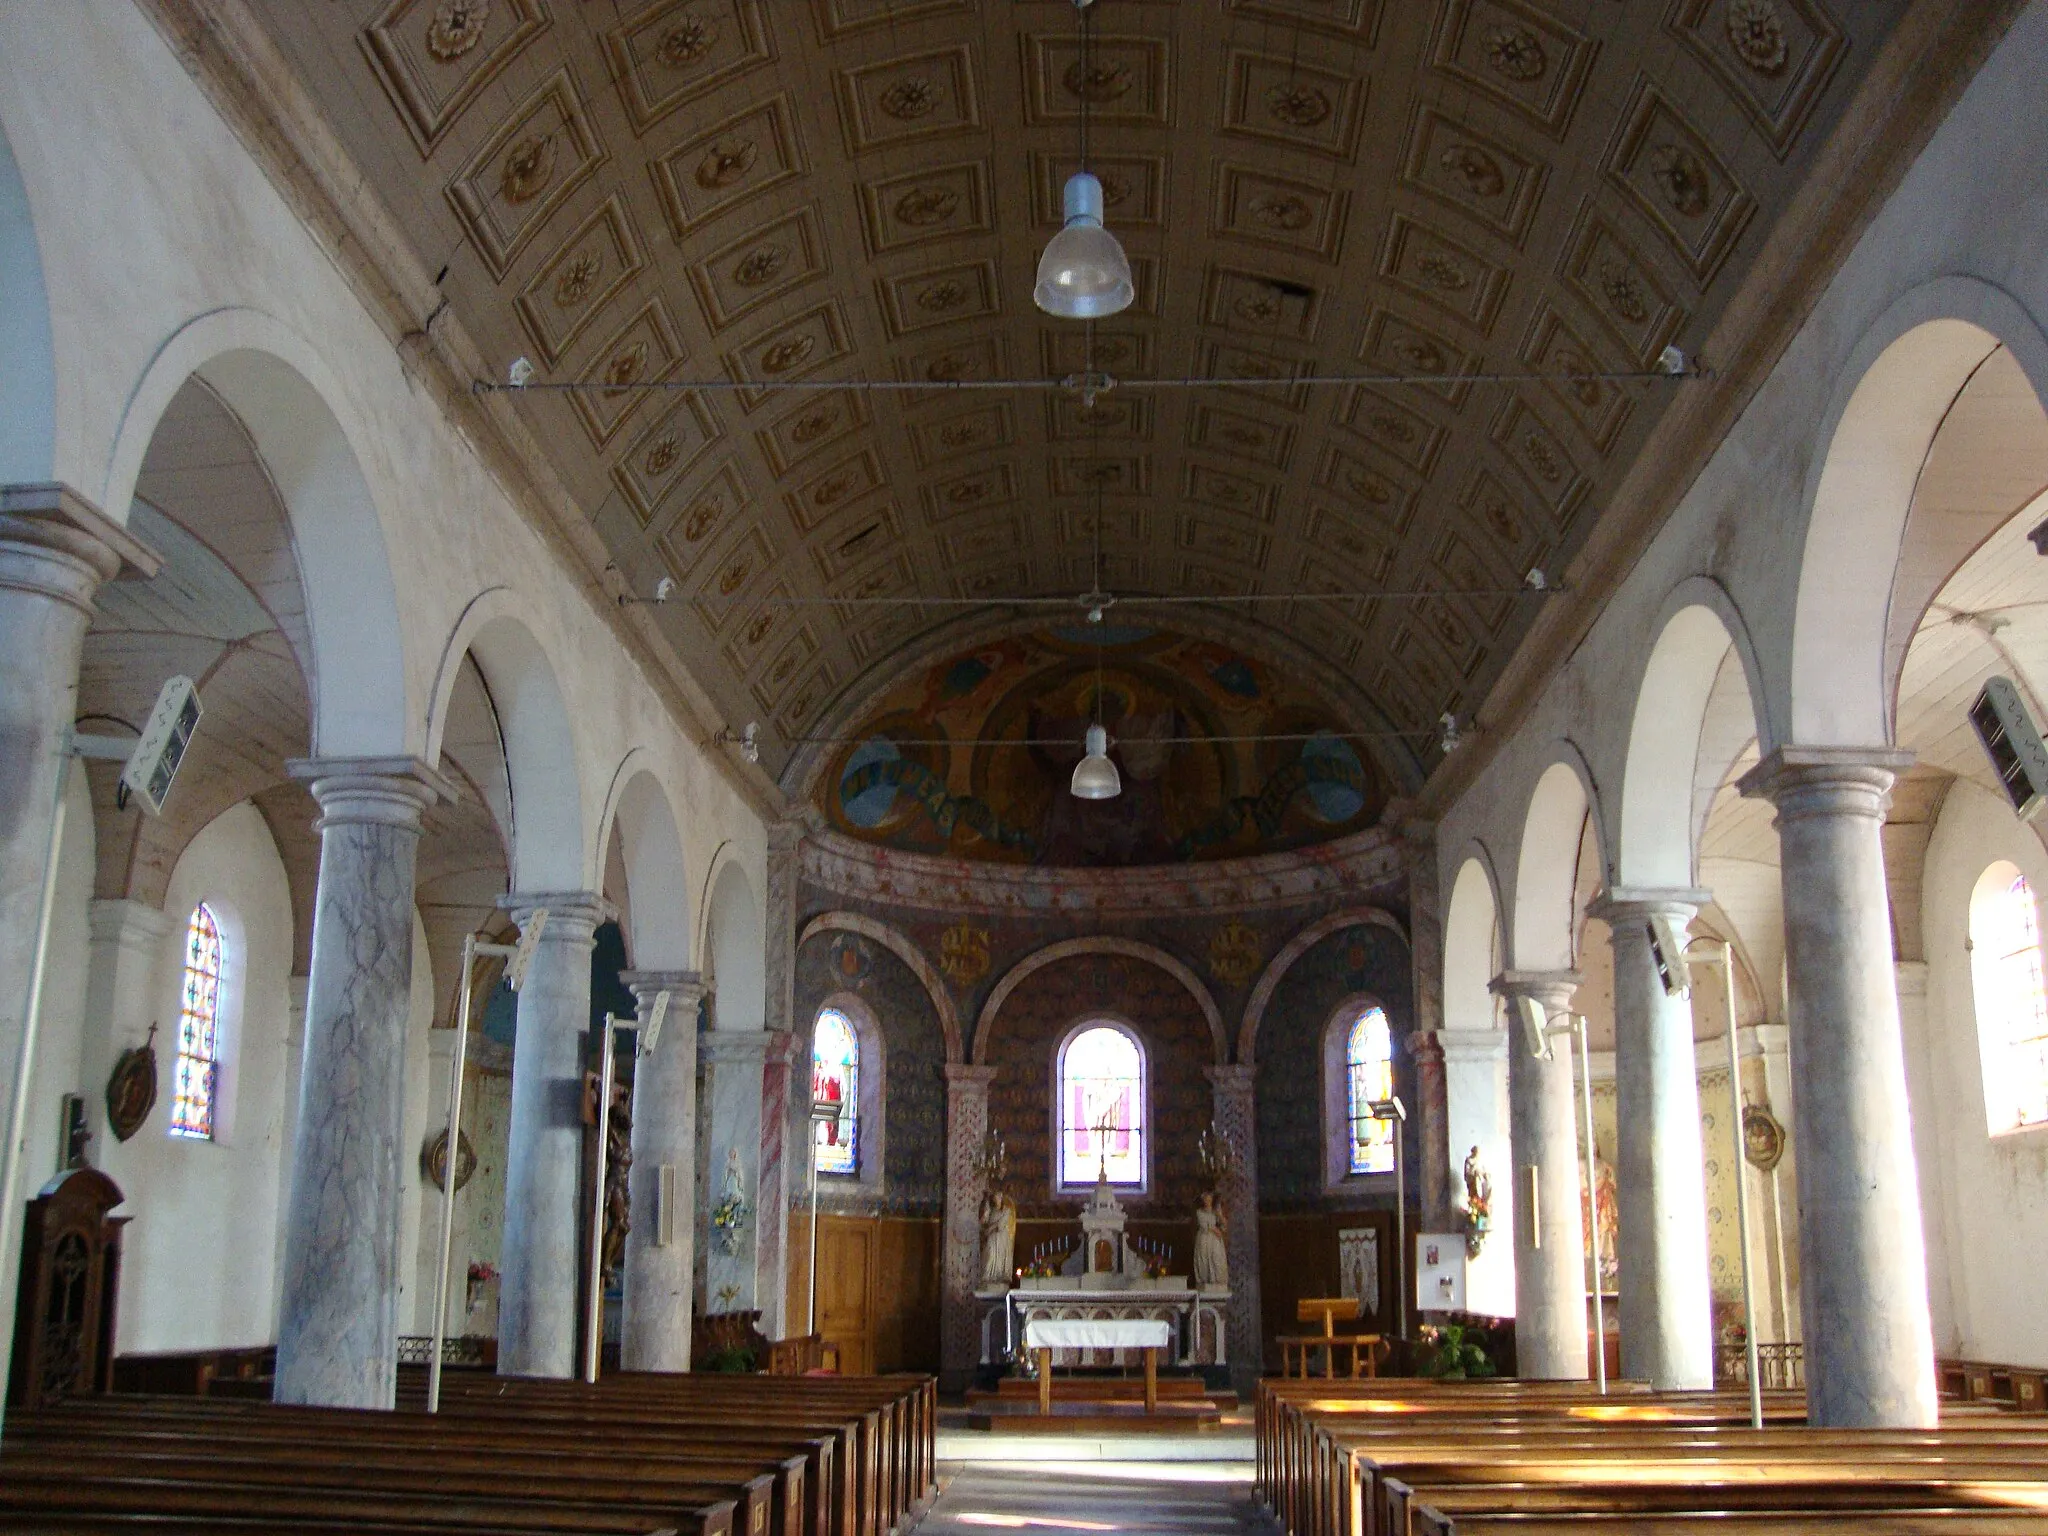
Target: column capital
960 1074
685 989
573 916
735 1045
1553 989
1629 903
1481 1045
783 1045
1232 1078
130 924
785 833
1912 977
370 791
1826 781
54 541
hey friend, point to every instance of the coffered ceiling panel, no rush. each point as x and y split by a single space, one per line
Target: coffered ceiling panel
725 220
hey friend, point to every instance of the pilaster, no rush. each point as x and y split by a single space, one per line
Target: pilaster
662 1184
959 1263
1236 1116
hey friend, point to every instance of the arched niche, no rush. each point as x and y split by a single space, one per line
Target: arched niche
642 824
1547 874
1100 944
1283 960
1472 950
738 970
905 949
28 384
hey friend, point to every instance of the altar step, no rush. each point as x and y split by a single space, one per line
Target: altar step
1092 1416
1180 1390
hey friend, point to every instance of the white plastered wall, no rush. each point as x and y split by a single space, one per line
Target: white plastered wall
1986 1196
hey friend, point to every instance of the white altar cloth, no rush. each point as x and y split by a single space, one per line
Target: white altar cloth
1097 1333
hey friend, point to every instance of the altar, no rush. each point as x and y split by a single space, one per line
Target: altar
1107 1281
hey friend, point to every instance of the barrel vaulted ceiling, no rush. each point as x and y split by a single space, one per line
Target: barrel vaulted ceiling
819 191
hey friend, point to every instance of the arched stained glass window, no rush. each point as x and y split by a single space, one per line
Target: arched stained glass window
1368 1080
1102 1108
197 1075
2012 1001
835 1077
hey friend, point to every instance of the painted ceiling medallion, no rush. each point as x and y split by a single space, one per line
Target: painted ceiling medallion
1299 106
925 206
909 99
1514 53
808 429
760 266
1284 213
687 42
701 517
725 163
1480 172
1681 177
942 296
1623 292
1439 271
529 165
1757 35
624 370
663 455
457 27
1099 82
785 355
577 279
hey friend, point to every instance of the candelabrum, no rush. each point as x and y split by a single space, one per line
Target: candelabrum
1219 1159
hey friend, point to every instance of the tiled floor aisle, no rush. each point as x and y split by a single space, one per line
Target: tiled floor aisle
1093 1498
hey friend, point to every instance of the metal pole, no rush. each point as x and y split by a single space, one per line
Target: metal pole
1756 1385
460 1061
1592 1200
811 1288
25 1057
593 1334
1400 1235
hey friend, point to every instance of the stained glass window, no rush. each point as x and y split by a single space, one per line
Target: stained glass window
198 1070
1368 1080
2012 1007
1102 1108
835 1076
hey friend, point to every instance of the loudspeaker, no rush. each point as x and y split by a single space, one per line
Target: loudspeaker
2012 743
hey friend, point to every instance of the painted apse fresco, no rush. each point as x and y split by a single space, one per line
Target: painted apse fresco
971 756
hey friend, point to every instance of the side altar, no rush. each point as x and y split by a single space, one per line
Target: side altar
1105 1279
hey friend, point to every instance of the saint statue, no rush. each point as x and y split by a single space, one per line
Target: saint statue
998 1238
1212 1256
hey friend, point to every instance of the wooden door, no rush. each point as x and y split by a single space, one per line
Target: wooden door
846 1289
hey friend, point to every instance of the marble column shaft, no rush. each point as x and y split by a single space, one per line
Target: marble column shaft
55 551
1550 1255
960 1254
337 1327
1236 1115
537 1291
1667 1315
1433 1176
1863 1297
786 1124
655 1320
730 1068
1433 1131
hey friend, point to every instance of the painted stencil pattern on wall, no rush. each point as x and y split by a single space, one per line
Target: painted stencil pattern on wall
1365 959
1177 1045
971 756
914 1084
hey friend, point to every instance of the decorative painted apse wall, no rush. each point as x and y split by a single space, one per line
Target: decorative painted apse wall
974 972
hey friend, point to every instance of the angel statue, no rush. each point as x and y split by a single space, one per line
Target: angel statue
998 1238
1212 1251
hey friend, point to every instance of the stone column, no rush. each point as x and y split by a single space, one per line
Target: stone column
730 1066
337 1325
1237 1117
537 1291
960 1254
1550 1253
1667 1311
1869 1342
779 1177
1433 1176
55 550
655 1325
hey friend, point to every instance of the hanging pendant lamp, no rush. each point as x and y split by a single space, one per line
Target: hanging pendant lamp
1095 776
1084 274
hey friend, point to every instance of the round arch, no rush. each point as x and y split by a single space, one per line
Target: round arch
1897 387
736 952
1099 944
1472 948
1656 846
900 945
1283 960
28 384
656 871
1545 923
290 403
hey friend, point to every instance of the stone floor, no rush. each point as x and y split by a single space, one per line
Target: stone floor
1095 1485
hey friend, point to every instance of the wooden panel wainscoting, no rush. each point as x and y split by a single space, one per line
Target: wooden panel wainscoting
878 1291
1298 1258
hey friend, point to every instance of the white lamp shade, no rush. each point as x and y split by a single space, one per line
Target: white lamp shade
1084 273
1095 776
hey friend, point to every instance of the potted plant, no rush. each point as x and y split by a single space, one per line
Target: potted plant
1454 1352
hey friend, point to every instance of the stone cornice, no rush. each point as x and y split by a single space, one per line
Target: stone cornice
249 83
1921 72
1350 867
